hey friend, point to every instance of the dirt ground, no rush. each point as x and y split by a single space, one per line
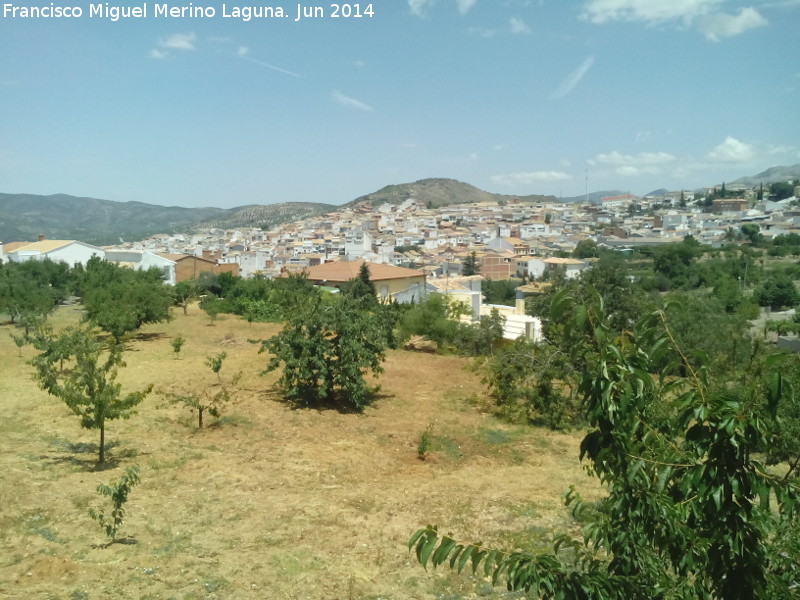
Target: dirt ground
268 501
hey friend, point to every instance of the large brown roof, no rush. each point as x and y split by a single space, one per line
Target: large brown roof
343 270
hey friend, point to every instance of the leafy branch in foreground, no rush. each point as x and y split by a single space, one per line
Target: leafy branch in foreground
690 511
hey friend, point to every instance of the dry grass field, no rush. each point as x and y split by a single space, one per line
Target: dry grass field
268 501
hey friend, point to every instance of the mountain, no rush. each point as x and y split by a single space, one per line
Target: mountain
436 193
25 216
267 216
593 197
771 175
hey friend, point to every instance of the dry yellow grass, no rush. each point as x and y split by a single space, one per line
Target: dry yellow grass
270 502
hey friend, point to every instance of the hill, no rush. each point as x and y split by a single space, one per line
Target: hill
60 216
771 175
593 196
436 193
258 215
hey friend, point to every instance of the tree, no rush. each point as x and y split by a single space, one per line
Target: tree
777 291
215 363
118 493
212 305
120 300
471 264
212 398
361 287
89 387
751 232
177 344
186 292
327 351
780 190
690 511
26 291
585 249
532 383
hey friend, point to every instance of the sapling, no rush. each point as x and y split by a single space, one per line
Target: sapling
177 344
118 492
212 398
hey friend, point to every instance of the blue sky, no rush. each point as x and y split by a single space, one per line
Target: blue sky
512 96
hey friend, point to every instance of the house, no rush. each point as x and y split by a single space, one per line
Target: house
729 205
142 260
572 266
509 244
71 252
190 267
395 283
497 265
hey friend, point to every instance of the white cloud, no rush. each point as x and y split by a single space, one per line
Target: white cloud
732 150
360 64
159 54
418 6
573 78
643 159
719 25
349 102
531 177
713 23
628 171
518 26
242 51
179 41
465 5
649 11
642 136
772 150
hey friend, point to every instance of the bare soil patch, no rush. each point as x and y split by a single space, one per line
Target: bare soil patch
269 501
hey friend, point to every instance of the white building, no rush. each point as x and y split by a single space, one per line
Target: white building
142 260
71 252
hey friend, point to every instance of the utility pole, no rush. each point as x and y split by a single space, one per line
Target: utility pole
586 198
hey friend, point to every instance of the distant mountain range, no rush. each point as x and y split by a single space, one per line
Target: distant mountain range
25 216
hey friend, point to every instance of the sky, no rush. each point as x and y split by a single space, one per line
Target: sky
511 96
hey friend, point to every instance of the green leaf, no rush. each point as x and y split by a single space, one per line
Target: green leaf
465 557
418 534
424 549
442 551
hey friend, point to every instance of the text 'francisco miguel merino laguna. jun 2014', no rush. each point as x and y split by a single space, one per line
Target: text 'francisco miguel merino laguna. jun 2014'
154 10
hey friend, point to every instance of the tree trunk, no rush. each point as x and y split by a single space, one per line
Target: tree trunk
200 418
102 444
